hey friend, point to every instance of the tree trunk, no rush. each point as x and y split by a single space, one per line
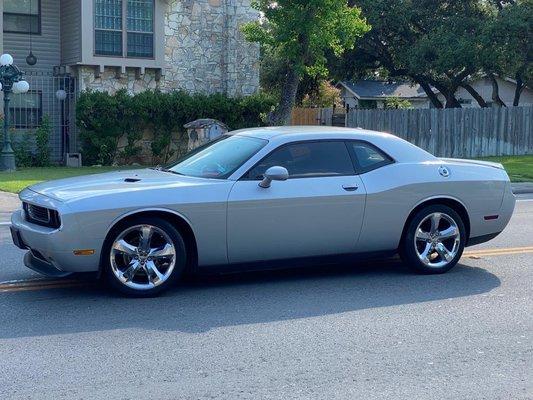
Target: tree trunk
496 92
282 115
518 90
448 93
451 101
480 100
429 92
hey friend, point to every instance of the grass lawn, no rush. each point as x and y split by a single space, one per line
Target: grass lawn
14 182
519 168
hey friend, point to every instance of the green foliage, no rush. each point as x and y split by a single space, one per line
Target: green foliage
303 30
32 148
325 95
42 142
506 41
396 103
445 44
22 147
105 119
300 34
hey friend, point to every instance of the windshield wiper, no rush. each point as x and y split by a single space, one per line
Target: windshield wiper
163 169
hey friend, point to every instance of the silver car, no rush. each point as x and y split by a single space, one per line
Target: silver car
256 197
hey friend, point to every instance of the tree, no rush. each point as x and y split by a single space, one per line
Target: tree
507 45
273 66
433 43
324 95
397 103
300 32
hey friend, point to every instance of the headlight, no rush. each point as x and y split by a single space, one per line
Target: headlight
41 215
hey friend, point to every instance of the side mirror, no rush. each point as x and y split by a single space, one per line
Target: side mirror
274 174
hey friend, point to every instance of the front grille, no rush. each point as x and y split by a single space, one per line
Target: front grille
41 215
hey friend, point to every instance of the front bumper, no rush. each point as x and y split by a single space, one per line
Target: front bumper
34 260
51 251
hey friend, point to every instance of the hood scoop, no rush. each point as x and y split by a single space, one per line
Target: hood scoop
132 180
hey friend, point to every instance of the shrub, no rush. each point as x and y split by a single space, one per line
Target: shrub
32 148
397 103
22 147
104 119
325 95
42 143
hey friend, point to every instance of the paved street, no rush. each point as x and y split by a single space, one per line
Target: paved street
369 331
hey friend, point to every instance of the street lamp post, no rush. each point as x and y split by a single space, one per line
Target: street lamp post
10 82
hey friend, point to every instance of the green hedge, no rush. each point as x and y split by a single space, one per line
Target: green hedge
104 119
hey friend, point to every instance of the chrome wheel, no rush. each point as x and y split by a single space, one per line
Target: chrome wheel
437 240
143 257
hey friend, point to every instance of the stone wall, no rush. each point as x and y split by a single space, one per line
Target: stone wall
204 52
110 81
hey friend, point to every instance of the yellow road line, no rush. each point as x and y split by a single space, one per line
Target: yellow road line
40 284
498 252
45 284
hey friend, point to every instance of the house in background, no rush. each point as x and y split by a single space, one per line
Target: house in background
107 45
483 86
373 94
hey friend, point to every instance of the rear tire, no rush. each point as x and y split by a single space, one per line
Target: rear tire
434 240
144 256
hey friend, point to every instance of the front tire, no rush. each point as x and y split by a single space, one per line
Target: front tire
434 240
144 256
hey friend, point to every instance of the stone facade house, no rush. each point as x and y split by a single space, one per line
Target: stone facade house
194 45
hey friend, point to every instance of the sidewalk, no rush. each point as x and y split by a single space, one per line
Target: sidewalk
9 202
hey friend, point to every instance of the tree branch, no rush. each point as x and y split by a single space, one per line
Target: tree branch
496 91
480 100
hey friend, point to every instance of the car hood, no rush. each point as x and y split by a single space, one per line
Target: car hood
115 182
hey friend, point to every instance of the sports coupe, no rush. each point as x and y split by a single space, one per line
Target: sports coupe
256 197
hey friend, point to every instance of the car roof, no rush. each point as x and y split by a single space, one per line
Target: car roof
311 130
399 149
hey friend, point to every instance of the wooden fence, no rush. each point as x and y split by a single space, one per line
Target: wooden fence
457 132
311 116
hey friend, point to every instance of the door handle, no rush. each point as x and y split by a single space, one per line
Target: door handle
350 188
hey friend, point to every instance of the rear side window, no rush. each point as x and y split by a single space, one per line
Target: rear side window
307 159
368 157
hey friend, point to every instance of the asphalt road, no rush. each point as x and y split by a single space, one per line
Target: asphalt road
368 331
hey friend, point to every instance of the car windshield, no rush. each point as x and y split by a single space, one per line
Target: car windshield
219 158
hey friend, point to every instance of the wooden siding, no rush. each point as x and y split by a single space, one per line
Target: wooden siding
46 46
70 31
458 132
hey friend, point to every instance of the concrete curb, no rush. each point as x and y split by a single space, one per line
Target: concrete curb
522 188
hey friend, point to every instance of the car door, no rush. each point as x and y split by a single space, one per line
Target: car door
317 211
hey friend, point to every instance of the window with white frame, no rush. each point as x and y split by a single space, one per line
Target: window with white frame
22 16
134 38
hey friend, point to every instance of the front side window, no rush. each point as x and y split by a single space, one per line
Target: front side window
220 158
22 16
25 110
307 159
129 20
